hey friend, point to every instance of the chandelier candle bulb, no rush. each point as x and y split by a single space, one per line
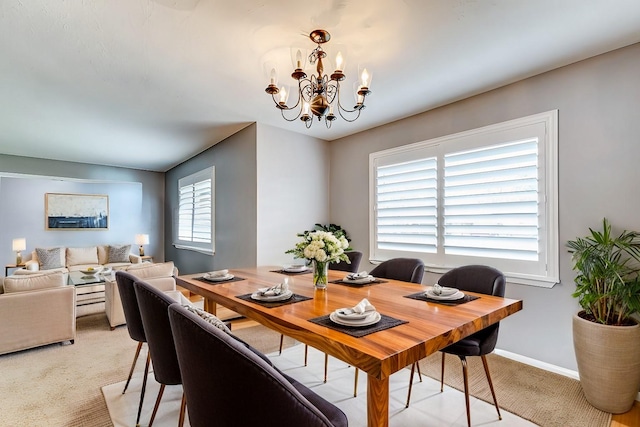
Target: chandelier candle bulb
339 61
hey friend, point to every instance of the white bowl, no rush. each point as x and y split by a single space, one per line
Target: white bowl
91 272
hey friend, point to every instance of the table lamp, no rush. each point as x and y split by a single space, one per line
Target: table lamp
142 239
19 245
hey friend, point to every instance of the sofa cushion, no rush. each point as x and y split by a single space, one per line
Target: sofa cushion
119 253
82 256
208 317
147 270
50 258
103 254
30 282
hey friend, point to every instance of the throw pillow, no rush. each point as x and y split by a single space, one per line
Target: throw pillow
119 253
82 256
49 258
208 317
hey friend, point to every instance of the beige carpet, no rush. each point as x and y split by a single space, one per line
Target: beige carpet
543 397
60 385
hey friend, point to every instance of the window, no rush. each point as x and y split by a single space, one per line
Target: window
195 213
485 196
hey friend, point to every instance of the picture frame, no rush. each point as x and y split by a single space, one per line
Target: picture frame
76 211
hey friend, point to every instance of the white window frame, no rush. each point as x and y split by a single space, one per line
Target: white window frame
545 273
193 179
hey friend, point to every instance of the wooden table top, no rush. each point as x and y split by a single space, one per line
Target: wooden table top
430 327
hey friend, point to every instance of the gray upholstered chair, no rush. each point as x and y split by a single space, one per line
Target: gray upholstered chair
352 267
228 382
134 326
483 280
154 305
405 269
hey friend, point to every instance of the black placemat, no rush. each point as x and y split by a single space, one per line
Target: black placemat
292 273
386 322
235 279
357 285
271 304
422 297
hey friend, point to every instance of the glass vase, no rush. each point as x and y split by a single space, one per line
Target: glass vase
320 270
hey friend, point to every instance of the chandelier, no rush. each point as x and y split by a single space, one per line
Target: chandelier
319 95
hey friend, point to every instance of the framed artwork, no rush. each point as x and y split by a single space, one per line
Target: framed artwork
76 211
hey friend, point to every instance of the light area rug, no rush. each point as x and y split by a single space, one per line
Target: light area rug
545 397
431 407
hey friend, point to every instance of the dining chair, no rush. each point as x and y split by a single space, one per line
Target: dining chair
354 262
134 327
405 269
354 258
227 382
154 305
483 280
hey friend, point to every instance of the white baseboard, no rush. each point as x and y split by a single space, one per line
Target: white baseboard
538 364
542 365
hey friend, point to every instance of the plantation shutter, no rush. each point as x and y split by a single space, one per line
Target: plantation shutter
491 201
406 208
195 211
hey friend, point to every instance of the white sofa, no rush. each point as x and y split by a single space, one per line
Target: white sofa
75 259
161 276
35 310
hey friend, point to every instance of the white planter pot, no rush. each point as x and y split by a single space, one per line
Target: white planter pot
608 363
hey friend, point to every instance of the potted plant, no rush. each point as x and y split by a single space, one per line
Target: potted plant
605 335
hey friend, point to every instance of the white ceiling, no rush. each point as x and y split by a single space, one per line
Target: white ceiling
149 83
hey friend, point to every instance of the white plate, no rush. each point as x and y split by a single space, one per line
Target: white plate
353 316
281 297
371 319
444 291
369 279
296 269
91 272
456 296
219 279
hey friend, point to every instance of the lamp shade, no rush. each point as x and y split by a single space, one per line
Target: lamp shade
19 244
142 239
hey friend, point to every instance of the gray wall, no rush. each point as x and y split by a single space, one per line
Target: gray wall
135 203
293 190
235 204
599 147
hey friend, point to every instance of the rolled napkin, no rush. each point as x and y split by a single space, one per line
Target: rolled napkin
215 274
357 276
442 290
362 307
278 289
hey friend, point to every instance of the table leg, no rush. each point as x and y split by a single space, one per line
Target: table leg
377 402
210 306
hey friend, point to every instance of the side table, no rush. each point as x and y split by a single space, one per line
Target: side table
11 266
147 258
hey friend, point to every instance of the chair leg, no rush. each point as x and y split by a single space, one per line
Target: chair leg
413 368
155 407
326 364
281 343
133 365
465 377
493 393
355 384
183 406
144 387
442 374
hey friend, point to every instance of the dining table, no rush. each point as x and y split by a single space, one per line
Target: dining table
411 327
